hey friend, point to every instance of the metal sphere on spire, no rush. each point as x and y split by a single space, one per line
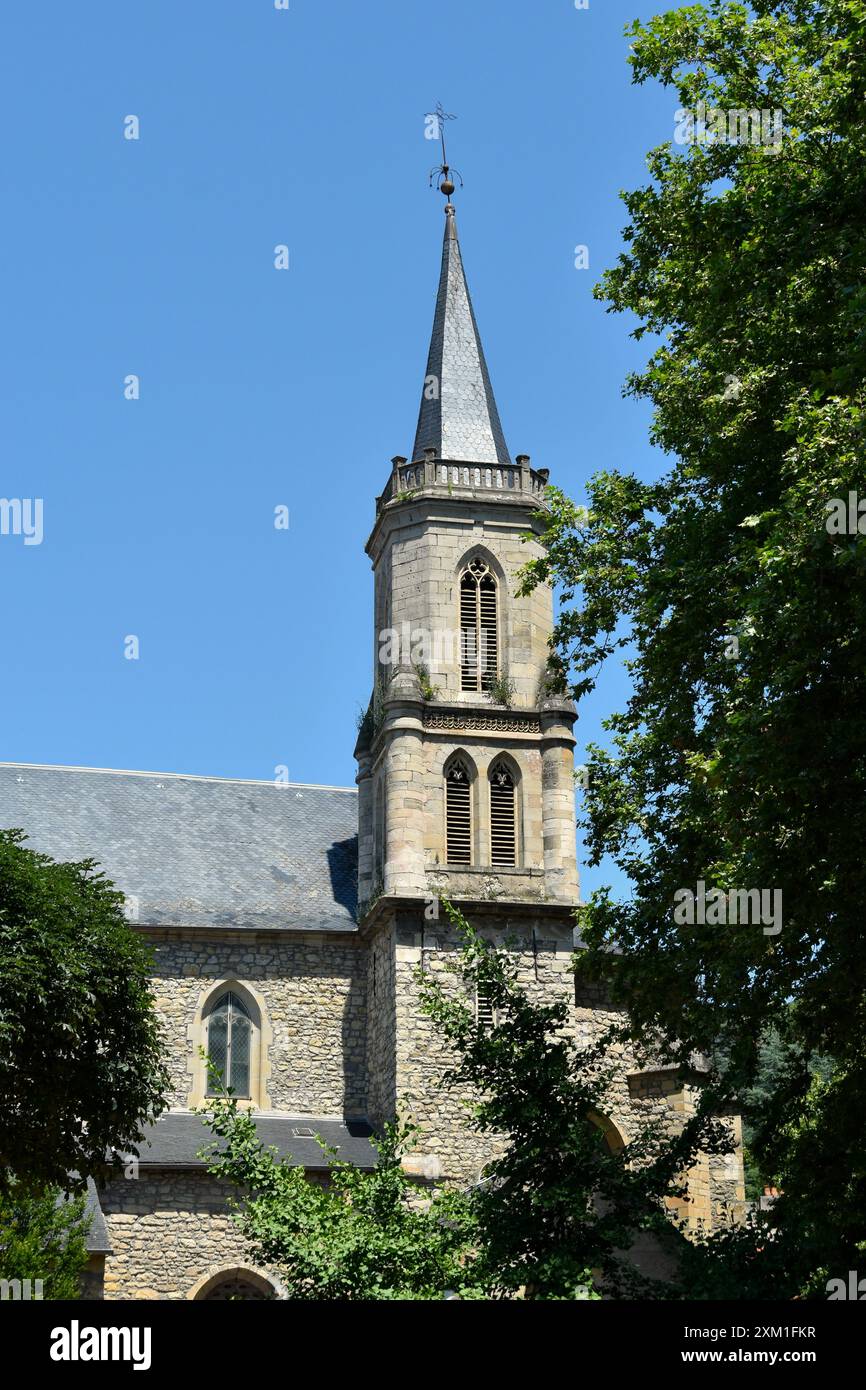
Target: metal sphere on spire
443 172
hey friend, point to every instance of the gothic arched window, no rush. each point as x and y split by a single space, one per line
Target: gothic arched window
479 645
503 819
458 813
229 1037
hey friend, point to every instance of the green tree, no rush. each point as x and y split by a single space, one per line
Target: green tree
559 1208
775 1059
80 1053
740 757
43 1236
365 1235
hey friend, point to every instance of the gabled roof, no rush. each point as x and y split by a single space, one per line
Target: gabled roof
458 416
97 1241
197 851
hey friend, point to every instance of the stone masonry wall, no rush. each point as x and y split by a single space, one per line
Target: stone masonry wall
381 1025
447 1140
168 1232
314 992
427 551
423 1057
482 754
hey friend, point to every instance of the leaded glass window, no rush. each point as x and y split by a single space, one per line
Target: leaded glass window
229 1037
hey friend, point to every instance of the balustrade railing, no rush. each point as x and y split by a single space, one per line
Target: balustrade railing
432 473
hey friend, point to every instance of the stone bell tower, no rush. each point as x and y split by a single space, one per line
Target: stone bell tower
464 759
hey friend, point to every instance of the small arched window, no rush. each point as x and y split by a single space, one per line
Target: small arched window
458 813
479 642
229 1037
503 821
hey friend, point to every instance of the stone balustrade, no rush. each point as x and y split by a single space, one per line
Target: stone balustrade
432 474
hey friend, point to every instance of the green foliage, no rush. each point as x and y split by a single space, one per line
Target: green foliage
740 758
377 888
428 690
366 1235
500 689
370 721
742 1260
80 1054
776 1058
554 681
559 1203
43 1236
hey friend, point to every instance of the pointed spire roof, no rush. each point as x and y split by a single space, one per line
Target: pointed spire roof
458 416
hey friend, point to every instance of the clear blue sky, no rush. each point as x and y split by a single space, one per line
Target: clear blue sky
260 387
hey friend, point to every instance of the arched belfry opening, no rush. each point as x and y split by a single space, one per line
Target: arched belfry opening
479 626
459 827
503 815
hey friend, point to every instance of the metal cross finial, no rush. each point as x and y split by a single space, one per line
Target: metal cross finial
442 172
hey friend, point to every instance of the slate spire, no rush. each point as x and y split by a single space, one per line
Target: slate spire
458 416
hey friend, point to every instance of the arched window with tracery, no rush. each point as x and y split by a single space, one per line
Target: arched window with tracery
458 812
229 1039
503 816
479 628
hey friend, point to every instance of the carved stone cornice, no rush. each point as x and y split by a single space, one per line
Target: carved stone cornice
479 721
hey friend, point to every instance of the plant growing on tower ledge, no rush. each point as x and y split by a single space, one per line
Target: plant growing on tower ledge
428 690
501 689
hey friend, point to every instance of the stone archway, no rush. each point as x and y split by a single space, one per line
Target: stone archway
237 1284
644 1252
612 1136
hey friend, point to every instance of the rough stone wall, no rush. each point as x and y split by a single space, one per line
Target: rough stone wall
727 1183
168 1231
348 1037
412 761
92 1279
381 1025
429 541
423 1057
314 990
447 1141
657 1096
483 753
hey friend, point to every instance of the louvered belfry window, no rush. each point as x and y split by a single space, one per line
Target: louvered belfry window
478 628
503 835
458 813
484 1011
229 1030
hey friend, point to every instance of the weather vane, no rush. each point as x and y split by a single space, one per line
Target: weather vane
443 172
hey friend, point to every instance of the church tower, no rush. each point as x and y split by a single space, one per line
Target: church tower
465 759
